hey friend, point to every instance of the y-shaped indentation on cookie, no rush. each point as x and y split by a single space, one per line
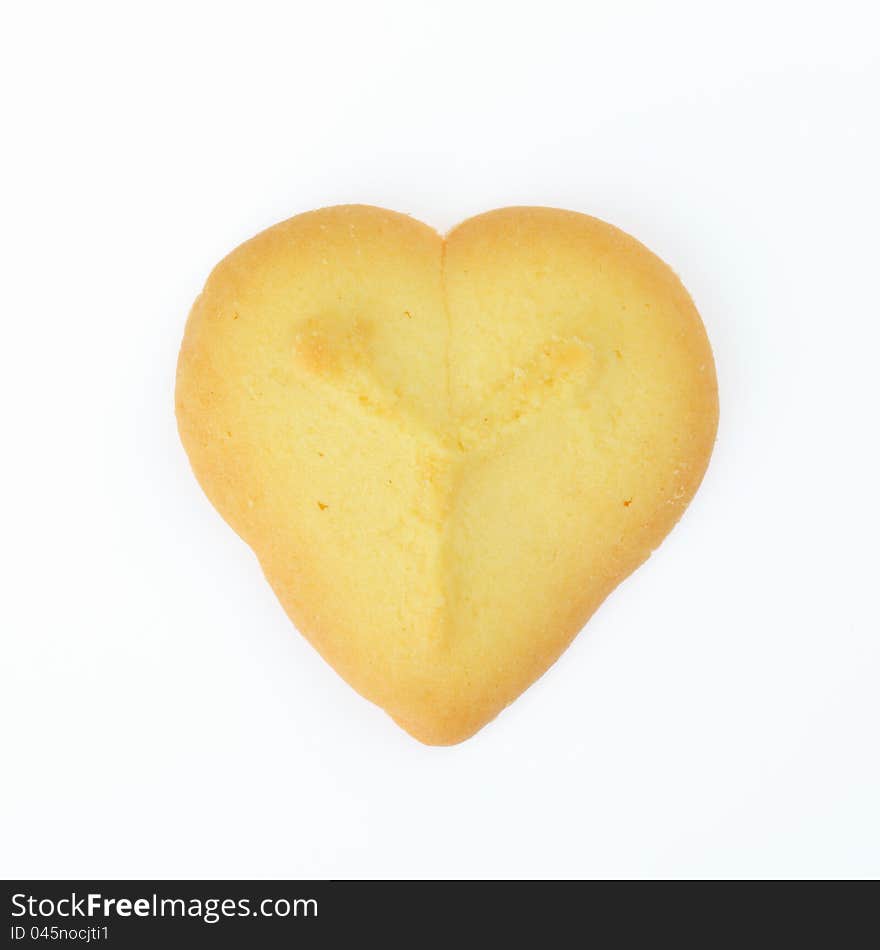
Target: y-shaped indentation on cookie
561 373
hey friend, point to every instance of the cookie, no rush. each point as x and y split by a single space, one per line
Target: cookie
445 453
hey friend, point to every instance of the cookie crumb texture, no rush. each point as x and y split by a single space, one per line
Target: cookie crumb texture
446 452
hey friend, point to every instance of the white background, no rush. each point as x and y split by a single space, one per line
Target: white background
161 717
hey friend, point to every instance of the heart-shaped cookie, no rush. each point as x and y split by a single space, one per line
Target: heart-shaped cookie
446 452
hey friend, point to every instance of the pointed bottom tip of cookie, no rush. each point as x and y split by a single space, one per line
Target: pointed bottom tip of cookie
440 733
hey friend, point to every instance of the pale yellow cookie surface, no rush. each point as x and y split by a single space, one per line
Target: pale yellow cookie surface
446 453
